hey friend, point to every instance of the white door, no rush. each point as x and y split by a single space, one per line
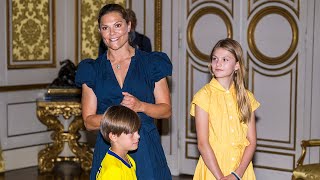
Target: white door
202 25
273 40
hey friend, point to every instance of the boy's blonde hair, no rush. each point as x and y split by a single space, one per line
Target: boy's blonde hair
118 120
244 105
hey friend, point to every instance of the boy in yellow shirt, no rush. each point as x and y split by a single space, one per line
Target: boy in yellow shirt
119 126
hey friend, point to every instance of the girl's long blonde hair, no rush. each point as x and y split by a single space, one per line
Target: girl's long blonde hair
244 105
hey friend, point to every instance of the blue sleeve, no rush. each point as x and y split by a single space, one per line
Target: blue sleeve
85 73
159 66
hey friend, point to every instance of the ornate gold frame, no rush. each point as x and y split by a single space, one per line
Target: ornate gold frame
195 17
31 63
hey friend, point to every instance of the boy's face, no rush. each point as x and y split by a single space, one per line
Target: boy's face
129 141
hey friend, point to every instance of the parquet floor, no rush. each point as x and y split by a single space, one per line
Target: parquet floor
63 172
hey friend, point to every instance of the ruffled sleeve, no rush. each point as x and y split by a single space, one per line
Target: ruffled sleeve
159 66
85 73
254 103
201 99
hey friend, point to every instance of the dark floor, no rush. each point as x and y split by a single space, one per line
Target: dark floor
65 171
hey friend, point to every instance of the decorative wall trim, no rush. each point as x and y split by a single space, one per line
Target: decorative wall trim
227 5
158 25
193 20
23 87
31 36
273 168
290 143
294 5
251 38
187 156
20 134
76 33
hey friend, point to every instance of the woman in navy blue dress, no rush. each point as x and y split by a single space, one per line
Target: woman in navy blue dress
130 77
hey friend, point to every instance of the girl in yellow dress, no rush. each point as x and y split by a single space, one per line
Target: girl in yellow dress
225 120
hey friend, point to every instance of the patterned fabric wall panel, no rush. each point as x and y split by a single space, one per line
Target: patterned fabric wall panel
31 34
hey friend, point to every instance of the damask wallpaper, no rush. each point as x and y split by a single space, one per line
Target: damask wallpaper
89 36
31 34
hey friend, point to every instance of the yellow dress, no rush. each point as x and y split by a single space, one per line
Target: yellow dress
227 135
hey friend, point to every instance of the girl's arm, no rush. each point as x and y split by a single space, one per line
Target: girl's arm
250 149
162 107
89 107
208 156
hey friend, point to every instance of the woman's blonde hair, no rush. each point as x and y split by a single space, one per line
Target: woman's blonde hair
118 120
244 105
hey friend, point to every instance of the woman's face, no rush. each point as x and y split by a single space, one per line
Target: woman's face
114 30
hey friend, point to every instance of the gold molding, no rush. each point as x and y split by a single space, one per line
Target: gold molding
271 68
190 69
23 87
213 2
195 17
295 10
293 108
251 38
158 25
13 63
186 152
76 34
64 91
277 153
1 161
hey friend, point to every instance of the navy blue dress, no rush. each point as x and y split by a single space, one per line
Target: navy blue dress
144 71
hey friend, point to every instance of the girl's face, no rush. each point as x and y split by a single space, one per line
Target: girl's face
114 30
223 64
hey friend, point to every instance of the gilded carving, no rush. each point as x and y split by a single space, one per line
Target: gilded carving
48 113
90 37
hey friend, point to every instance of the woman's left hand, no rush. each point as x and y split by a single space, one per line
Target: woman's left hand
131 102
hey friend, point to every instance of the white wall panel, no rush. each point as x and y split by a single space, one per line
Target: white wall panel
268 174
274 160
21 158
275 100
22 119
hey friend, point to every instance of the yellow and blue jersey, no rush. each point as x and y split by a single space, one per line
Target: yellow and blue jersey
113 167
